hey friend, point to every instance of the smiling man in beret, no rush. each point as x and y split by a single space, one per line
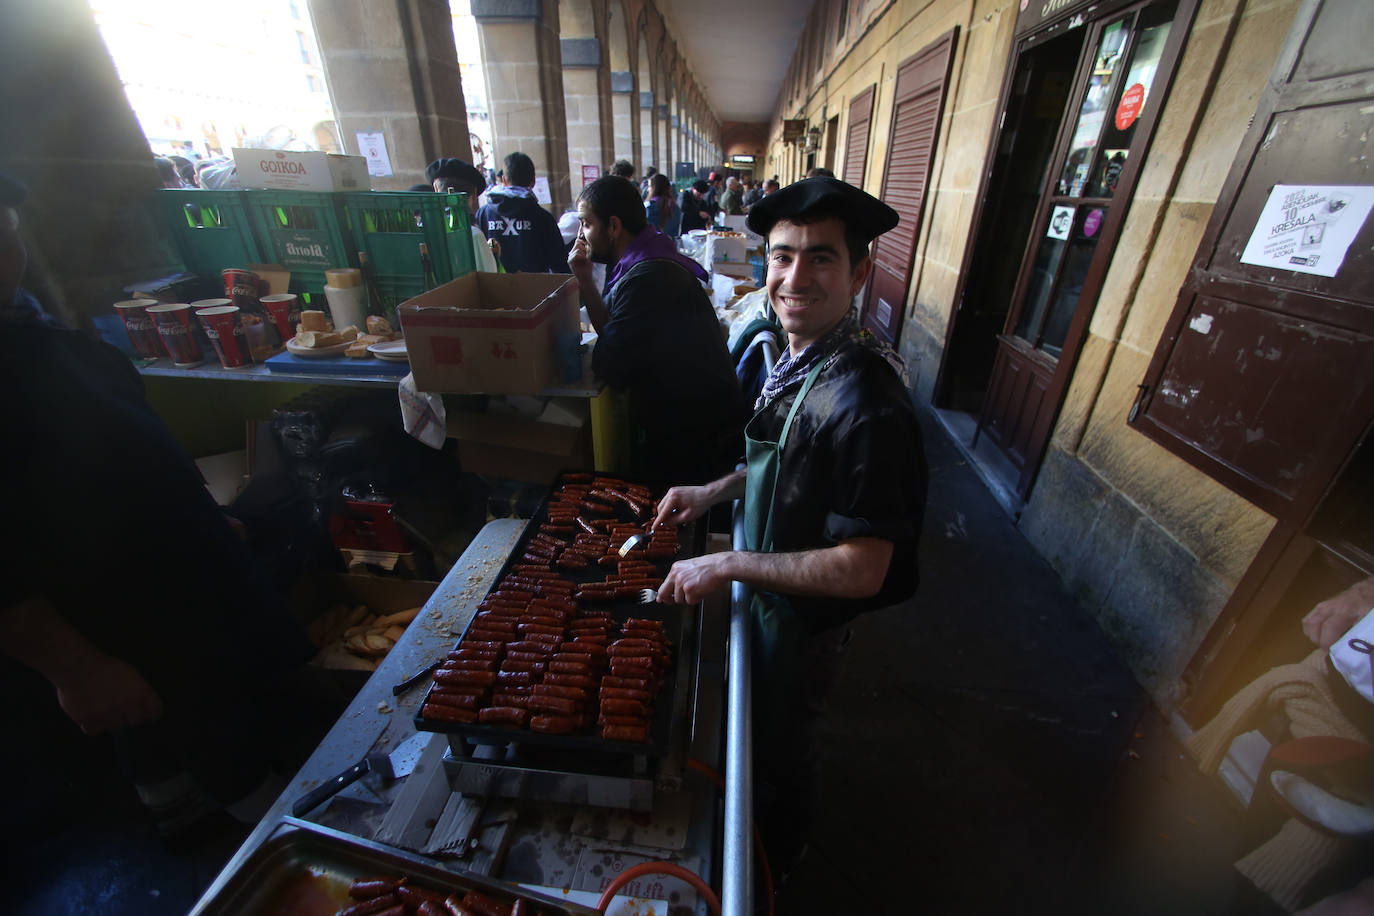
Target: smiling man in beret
834 488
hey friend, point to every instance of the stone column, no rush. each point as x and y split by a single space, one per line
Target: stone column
522 62
648 132
392 67
586 88
623 104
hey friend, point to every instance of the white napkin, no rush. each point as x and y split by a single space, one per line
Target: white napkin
422 413
1356 667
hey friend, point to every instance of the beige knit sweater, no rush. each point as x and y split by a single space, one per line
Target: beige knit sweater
1285 864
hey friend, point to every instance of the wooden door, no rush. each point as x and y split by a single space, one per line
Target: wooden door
856 140
832 135
917 105
1123 76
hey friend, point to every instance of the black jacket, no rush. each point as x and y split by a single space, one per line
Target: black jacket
527 233
664 345
691 211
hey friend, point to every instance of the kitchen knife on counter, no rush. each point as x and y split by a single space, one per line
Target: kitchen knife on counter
389 766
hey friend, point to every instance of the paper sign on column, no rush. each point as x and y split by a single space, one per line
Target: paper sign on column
373 147
1308 228
541 190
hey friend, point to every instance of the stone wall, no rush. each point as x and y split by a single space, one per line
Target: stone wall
1166 544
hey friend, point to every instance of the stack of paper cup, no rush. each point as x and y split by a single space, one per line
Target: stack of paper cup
347 297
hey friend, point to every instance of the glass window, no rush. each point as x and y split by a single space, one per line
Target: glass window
1096 104
304 48
1135 92
1077 259
1047 260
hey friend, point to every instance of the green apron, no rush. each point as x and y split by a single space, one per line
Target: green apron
778 636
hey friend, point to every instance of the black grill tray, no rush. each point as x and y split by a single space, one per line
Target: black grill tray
691 538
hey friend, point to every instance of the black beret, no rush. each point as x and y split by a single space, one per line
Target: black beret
456 169
701 186
865 215
12 190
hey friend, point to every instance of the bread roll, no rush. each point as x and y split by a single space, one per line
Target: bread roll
327 339
349 333
399 617
314 320
358 350
305 338
376 324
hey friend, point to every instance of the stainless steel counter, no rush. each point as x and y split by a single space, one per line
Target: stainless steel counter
550 844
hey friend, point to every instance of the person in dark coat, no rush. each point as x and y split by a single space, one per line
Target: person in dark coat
658 338
693 206
527 233
131 605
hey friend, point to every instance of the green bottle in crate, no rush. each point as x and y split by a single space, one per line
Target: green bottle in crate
376 303
427 269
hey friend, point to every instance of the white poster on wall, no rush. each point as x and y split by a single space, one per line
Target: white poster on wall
1308 228
373 147
541 190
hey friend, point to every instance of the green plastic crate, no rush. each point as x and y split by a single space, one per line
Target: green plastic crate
390 225
309 287
302 230
212 229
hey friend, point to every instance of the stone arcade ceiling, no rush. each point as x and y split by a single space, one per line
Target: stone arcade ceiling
738 50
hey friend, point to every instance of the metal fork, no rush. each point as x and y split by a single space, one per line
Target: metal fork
648 595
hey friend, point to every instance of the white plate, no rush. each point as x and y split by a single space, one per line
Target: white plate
390 350
296 349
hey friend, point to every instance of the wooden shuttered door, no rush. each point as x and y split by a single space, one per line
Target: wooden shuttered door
856 140
917 106
1264 375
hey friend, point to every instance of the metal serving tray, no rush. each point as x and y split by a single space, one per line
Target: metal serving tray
304 869
677 624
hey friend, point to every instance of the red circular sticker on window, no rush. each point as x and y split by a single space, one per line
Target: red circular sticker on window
1132 100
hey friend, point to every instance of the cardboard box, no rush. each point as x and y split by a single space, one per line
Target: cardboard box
725 248
284 170
492 333
738 224
517 449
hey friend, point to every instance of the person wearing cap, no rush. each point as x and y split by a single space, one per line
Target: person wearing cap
715 188
129 601
695 215
833 489
658 339
454 175
527 233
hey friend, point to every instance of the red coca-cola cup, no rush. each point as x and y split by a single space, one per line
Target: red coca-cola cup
285 311
243 287
177 328
142 332
224 326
